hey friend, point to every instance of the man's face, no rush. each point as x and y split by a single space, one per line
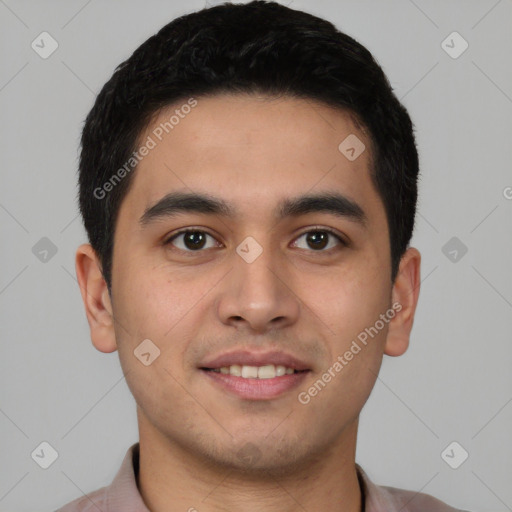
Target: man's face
307 295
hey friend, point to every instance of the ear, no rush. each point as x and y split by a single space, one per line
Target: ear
96 298
405 293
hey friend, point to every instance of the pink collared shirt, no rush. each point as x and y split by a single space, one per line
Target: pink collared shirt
122 495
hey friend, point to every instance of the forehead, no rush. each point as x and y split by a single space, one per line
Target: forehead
253 151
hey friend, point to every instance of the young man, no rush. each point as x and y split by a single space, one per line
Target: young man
248 183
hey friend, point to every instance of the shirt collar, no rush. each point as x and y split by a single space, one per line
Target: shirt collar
376 498
123 493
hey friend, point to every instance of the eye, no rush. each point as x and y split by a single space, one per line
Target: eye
190 240
320 239
194 240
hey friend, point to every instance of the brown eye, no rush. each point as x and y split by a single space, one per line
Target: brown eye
190 240
320 239
317 239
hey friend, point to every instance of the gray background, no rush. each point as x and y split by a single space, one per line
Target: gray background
454 383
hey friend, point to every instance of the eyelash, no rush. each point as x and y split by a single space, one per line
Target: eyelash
314 229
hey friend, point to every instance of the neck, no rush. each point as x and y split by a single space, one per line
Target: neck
171 479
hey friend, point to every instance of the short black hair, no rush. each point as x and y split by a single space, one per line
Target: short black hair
259 47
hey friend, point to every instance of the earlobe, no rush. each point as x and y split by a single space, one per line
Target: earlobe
96 299
405 296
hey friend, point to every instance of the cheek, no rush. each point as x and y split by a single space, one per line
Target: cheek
149 298
163 305
351 308
349 301
152 306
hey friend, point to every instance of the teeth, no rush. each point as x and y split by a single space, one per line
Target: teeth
280 371
268 371
250 372
235 370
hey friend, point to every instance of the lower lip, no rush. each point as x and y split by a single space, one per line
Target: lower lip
256 389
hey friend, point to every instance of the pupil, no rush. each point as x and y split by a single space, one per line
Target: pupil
196 239
318 236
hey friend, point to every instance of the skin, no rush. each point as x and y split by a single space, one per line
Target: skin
292 297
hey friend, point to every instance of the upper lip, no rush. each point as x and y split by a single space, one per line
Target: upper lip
255 358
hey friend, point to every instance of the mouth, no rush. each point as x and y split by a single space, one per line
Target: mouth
255 376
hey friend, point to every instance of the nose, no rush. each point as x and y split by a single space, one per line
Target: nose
259 295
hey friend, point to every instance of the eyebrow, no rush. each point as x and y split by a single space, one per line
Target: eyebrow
175 203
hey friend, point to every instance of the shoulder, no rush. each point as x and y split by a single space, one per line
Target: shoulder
412 501
381 498
88 503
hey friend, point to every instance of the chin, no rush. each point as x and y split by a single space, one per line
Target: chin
265 458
